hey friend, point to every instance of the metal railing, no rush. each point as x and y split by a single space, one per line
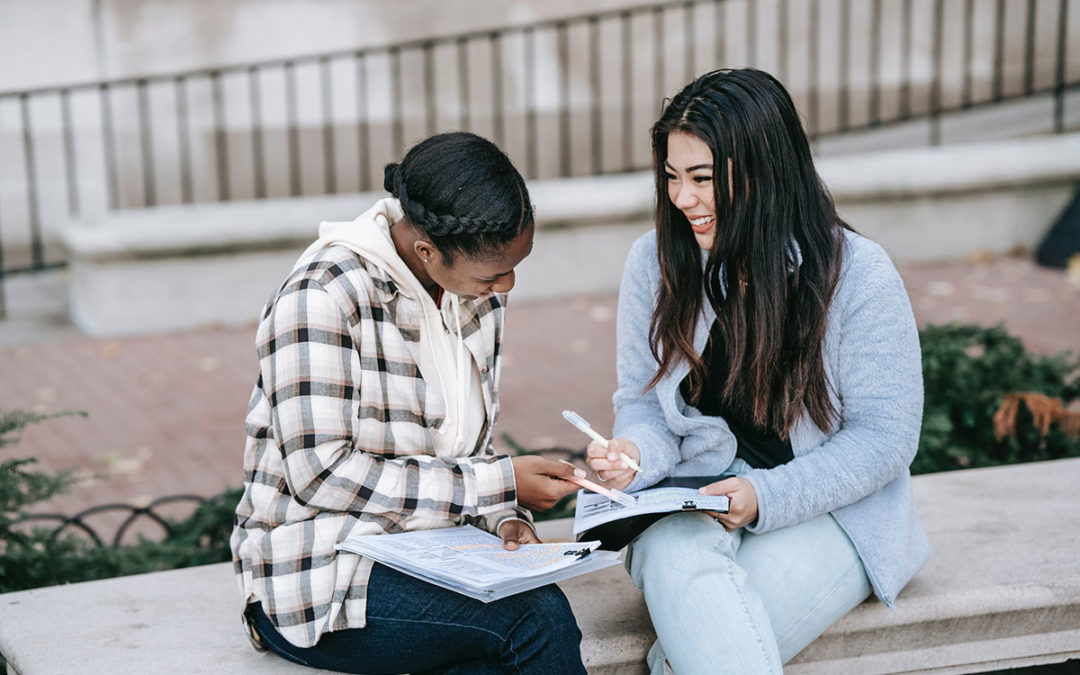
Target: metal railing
564 97
130 517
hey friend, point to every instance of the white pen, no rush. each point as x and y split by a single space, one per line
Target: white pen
583 426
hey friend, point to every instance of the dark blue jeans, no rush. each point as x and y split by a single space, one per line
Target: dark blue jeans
416 627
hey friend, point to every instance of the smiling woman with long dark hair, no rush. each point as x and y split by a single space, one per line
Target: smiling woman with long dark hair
780 349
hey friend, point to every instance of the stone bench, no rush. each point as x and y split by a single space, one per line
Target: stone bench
1002 589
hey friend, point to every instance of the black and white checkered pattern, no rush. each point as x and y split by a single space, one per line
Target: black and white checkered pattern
339 440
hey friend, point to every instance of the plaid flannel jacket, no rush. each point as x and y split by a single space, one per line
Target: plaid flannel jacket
339 441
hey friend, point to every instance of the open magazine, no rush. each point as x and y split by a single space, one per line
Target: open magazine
615 525
474 563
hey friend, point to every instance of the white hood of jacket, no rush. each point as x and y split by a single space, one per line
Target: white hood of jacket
442 357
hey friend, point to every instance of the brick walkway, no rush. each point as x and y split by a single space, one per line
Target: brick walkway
166 412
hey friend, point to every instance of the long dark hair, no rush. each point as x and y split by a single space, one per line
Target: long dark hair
463 192
774 261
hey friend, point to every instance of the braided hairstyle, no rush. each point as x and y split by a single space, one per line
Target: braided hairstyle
463 193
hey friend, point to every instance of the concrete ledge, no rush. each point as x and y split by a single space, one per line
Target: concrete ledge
175 268
1001 590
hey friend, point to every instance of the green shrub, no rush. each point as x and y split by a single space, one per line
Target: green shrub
34 557
968 371
21 486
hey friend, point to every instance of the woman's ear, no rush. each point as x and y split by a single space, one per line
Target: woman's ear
425 249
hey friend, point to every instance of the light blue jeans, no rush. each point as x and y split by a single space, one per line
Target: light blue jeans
736 602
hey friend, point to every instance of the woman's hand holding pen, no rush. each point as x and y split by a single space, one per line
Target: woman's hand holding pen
743 509
539 481
609 466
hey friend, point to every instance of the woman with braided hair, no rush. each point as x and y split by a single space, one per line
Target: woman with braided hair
760 337
379 360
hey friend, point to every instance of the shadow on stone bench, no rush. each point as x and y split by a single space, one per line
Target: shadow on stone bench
1002 589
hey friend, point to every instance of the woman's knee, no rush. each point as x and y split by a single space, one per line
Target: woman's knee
675 543
543 635
552 609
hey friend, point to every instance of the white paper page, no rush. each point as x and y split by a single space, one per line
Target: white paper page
435 551
593 509
467 554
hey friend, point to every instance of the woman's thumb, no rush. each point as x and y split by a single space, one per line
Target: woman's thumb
721 487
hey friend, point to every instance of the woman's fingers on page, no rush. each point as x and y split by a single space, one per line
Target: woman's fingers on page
743 507
528 536
720 487
517 532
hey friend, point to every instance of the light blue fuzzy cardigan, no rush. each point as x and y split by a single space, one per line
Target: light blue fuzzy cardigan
858 471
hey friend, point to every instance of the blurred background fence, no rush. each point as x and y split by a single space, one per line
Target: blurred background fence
566 97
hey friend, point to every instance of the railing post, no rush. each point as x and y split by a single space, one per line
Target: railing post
595 127
1059 69
1029 49
627 54
291 122
660 61
720 7
563 48
363 131
875 63
258 160
497 122
905 59
221 147
935 92
429 87
690 38
329 160
999 51
782 44
529 64
37 249
183 133
108 142
844 70
463 83
969 49
813 114
69 153
146 143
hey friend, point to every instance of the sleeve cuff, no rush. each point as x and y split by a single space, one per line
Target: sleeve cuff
756 480
494 485
655 463
506 519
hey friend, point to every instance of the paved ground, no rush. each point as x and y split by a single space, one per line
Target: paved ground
166 412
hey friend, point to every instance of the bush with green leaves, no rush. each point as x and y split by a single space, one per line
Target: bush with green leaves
35 556
968 372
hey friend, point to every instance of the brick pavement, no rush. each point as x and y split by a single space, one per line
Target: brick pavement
166 412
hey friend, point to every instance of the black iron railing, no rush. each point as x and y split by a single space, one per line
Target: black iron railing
119 518
564 97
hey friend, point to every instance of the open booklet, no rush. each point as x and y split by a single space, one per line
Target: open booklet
474 563
615 525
